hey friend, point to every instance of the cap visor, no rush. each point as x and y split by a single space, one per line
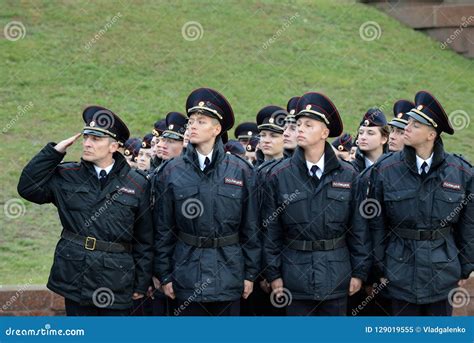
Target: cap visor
172 136
94 133
419 118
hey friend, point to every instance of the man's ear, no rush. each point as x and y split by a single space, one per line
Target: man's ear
218 129
113 146
325 133
432 135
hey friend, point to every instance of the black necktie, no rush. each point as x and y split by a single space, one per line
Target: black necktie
102 178
314 169
423 170
207 162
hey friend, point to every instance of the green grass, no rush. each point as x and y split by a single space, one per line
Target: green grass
142 68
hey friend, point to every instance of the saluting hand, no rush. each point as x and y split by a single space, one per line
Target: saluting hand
248 289
355 285
168 290
63 145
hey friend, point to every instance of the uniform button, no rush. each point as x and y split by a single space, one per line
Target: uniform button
107 196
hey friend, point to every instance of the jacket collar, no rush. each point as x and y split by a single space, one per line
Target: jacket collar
439 156
218 154
120 166
330 160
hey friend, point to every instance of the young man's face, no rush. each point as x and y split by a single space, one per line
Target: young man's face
352 155
271 143
395 140
202 128
289 136
144 157
155 147
370 138
186 138
244 141
310 132
97 149
417 134
170 148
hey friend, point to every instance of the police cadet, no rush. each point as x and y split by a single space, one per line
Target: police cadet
157 131
398 123
145 153
312 252
244 131
251 150
270 121
289 129
171 142
424 236
372 139
131 147
342 146
207 252
104 256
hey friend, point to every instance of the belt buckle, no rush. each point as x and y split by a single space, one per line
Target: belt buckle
87 245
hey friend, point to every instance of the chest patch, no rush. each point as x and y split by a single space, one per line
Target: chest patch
451 185
126 190
338 184
235 182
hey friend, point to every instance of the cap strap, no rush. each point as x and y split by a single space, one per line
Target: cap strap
319 114
192 109
429 119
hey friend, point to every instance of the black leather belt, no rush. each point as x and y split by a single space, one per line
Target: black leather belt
91 243
208 242
422 235
320 245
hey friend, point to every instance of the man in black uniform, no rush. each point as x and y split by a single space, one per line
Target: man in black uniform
314 256
289 130
207 251
244 131
398 123
157 131
104 257
342 146
423 238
